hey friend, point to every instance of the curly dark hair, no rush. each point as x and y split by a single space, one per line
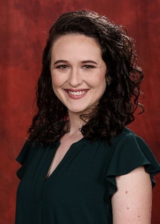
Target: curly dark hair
120 100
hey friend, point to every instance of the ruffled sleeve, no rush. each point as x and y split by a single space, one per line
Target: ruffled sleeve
23 158
130 152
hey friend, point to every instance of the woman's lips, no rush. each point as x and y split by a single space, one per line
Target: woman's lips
76 94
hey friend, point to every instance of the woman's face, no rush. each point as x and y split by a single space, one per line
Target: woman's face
78 72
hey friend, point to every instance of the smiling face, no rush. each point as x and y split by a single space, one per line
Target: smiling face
78 72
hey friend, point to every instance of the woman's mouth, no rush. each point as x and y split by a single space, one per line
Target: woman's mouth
76 94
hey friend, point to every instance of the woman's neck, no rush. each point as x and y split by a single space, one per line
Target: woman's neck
74 124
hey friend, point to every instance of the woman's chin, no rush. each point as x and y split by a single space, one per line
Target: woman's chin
77 110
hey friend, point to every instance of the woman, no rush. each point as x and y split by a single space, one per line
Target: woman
80 163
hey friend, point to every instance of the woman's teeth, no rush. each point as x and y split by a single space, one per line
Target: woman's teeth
78 93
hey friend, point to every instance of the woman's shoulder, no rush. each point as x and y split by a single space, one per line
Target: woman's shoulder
131 146
26 150
129 151
27 155
125 134
128 138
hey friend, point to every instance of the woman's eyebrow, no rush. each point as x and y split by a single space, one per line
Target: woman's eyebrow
60 61
89 61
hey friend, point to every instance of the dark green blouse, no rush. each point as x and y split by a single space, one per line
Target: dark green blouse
80 188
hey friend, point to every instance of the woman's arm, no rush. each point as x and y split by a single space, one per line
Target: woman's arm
133 200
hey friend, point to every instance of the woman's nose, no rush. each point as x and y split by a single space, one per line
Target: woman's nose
75 78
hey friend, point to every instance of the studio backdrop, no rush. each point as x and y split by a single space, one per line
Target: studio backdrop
23 31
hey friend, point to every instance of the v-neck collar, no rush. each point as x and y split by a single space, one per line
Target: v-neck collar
51 154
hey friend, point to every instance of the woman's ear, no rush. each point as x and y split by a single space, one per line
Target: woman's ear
108 80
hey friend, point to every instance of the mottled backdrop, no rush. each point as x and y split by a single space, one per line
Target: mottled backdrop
23 33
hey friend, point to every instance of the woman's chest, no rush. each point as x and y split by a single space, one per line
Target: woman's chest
79 175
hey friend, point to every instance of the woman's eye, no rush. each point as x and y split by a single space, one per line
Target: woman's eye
62 66
88 66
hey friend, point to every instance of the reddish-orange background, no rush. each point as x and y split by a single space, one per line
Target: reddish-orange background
23 32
